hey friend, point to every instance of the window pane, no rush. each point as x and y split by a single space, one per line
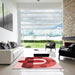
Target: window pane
41 23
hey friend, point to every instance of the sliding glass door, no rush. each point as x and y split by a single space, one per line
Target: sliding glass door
40 25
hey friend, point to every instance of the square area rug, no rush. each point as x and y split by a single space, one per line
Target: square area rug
37 62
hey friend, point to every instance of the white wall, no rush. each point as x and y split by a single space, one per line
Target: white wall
6 35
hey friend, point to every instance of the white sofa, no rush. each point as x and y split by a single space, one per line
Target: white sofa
9 55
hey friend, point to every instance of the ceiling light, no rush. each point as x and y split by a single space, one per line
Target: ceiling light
38 0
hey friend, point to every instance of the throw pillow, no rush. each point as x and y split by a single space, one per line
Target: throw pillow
3 45
13 44
9 46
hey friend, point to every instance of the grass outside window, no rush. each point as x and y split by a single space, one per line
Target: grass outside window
40 44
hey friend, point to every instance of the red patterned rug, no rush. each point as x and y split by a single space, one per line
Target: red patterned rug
36 62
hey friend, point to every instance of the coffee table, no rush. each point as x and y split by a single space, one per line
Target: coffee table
40 53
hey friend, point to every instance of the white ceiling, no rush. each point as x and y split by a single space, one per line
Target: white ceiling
34 4
39 6
51 1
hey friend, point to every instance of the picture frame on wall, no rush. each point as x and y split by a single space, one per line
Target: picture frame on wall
1 15
6 17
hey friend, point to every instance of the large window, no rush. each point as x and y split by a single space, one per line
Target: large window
40 24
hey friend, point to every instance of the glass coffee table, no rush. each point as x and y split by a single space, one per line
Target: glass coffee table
40 53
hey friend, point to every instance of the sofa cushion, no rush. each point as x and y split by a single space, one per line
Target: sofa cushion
72 48
16 52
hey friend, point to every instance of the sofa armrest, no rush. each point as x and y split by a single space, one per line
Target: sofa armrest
6 56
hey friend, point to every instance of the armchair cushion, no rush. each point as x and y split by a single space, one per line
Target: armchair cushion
72 48
51 45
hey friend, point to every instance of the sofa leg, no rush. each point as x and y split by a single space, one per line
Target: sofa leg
59 57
